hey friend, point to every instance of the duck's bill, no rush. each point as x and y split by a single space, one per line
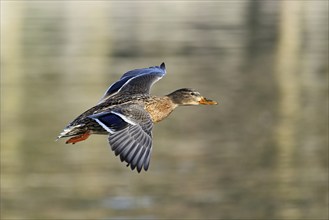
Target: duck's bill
205 101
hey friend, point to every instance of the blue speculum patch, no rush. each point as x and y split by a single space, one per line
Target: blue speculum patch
113 121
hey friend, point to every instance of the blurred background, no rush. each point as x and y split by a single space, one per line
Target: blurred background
261 153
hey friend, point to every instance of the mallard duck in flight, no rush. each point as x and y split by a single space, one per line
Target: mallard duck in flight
126 113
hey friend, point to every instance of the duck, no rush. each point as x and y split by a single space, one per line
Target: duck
127 112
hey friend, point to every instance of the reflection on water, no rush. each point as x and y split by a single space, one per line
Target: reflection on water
261 153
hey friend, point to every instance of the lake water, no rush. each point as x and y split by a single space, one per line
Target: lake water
261 153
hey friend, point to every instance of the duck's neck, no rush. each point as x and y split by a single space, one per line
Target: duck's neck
160 108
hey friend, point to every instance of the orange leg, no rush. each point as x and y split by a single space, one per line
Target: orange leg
79 138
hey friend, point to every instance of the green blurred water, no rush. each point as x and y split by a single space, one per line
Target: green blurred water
261 153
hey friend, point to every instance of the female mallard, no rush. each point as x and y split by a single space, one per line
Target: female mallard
127 112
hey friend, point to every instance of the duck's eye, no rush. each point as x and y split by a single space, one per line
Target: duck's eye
194 94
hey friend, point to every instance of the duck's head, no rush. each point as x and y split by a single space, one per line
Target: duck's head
187 96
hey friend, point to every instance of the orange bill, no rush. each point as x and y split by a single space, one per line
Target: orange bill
205 101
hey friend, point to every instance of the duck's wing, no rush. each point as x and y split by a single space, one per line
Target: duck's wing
130 134
138 81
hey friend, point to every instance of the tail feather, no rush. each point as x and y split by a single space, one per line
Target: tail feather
70 131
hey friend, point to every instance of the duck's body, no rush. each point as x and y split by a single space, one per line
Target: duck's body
127 112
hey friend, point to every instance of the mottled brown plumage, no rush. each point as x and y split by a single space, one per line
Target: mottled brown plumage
127 112
159 107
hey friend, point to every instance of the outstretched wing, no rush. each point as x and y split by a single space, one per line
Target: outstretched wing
130 134
138 81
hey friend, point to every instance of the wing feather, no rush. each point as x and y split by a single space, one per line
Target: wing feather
138 157
131 134
132 150
147 158
138 81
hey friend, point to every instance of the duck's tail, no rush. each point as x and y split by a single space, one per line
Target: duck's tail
70 131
